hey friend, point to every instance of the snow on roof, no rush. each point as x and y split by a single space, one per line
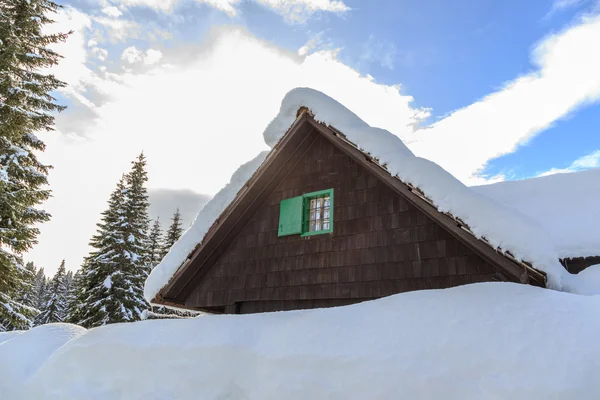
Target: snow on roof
567 206
481 341
501 226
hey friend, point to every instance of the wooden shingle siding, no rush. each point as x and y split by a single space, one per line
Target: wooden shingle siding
381 245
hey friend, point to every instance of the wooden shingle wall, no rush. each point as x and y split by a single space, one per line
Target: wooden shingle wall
381 245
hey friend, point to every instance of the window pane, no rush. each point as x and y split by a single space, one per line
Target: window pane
312 216
311 227
326 213
319 202
327 202
318 214
318 226
325 225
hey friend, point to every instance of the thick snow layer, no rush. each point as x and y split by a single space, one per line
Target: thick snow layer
502 226
484 341
23 354
567 206
587 282
161 275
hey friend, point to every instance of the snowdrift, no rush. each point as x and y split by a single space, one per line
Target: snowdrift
565 205
483 341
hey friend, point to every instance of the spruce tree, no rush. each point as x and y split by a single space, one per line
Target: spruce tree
98 268
73 296
56 302
115 272
26 107
155 244
39 288
173 234
27 293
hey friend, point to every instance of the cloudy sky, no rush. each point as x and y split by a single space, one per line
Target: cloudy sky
491 90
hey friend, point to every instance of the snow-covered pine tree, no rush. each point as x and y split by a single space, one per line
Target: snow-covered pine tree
73 296
115 272
173 234
26 107
27 294
155 244
39 288
94 298
56 304
137 265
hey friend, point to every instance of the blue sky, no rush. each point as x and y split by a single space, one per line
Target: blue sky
490 90
446 55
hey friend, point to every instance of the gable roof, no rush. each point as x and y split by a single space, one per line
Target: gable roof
566 205
474 217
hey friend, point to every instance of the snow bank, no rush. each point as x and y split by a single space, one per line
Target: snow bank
587 282
161 275
23 354
484 341
567 206
502 226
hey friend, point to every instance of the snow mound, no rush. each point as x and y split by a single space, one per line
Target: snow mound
492 340
501 226
4 336
567 206
23 354
587 282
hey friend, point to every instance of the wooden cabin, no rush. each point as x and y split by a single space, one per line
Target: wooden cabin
322 224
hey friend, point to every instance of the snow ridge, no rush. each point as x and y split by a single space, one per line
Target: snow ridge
481 341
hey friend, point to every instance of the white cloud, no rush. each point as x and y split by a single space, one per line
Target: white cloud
112 11
152 56
300 10
588 161
291 10
197 115
100 53
119 30
158 5
567 77
132 55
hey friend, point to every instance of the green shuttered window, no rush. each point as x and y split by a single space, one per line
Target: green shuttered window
309 214
290 216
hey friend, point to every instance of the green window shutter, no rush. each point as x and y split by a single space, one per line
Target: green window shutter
290 216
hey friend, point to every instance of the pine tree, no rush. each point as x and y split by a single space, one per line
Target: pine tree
27 293
73 296
26 107
56 303
173 234
98 268
155 244
115 272
39 288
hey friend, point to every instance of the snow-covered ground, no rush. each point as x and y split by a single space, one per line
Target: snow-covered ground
483 341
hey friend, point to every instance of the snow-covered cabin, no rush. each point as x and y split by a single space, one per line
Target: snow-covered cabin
339 212
566 205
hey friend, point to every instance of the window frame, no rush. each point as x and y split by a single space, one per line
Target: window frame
306 212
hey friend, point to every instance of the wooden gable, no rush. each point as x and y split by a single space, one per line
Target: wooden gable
386 240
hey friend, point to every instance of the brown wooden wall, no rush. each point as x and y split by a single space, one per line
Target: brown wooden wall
381 245
576 265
